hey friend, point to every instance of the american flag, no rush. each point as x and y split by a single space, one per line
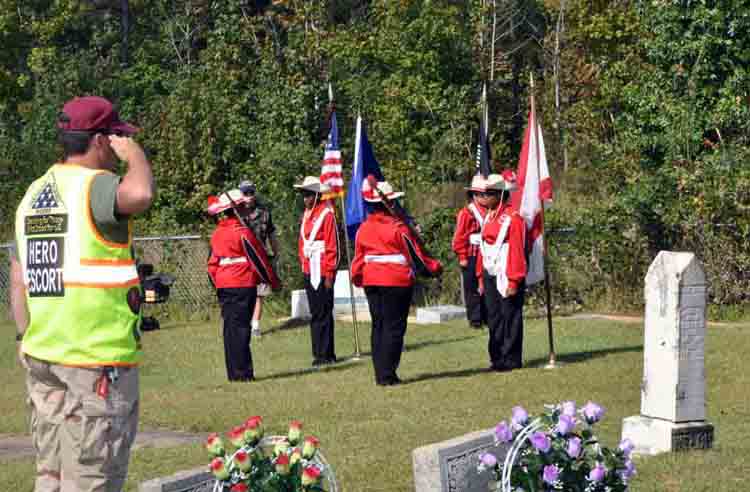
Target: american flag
331 172
484 168
46 198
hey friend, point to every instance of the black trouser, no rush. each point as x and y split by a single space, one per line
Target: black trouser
389 309
476 311
505 320
237 305
321 322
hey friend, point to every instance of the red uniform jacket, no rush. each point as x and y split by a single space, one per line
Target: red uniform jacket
466 225
237 256
516 238
328 233
380 241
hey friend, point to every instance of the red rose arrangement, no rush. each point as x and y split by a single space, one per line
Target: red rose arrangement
288 463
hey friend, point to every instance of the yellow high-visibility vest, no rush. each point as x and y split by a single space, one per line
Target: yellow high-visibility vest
78 284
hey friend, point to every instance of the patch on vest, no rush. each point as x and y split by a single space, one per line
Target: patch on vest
37 225
48 199
44 267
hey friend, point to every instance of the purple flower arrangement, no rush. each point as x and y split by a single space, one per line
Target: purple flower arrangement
558 450
288 463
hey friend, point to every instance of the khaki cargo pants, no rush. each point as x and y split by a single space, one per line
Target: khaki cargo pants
82 440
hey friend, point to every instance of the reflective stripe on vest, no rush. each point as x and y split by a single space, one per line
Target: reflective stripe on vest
78 283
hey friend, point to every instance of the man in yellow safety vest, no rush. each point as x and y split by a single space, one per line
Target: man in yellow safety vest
75 297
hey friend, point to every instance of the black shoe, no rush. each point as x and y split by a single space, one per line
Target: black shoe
477 325
317 362
390 382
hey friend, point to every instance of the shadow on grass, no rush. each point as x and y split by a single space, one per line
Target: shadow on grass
573 357
445 375
341 365
569 358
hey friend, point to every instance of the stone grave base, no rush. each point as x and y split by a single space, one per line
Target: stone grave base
440 314
195 480
653 436
451 466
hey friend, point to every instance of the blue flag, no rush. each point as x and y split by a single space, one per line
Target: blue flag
364 165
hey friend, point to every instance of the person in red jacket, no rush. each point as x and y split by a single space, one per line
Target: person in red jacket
466 238
387 256
236 265
501 269
319 259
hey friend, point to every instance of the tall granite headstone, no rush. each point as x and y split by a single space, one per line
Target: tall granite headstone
451 466
673 391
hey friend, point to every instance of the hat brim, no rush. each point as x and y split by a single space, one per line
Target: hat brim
220 207
474 189
315 188
501 187
124 128
377 199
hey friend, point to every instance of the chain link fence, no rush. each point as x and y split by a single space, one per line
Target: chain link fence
182 256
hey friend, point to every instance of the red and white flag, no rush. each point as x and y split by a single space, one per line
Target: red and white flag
534 191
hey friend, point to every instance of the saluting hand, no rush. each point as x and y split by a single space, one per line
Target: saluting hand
126 148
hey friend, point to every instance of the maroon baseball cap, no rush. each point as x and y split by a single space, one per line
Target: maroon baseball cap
92 114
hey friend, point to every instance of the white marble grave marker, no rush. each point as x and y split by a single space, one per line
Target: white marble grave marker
673 391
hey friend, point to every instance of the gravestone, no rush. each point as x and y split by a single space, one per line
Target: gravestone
451 466
439 314
195 480
673 390
342 295
300 306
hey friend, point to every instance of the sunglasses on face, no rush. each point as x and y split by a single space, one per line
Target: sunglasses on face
488 194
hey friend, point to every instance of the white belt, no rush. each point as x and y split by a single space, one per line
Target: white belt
400 259
313 250
232 261
475 239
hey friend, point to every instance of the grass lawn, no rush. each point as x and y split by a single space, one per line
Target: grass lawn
369 432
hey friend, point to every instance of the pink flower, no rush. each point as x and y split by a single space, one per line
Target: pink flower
295 432
503 432
310 476
219 469
214 445
309 447
236 436
568 408
253 430
282 464
597 473
242 459
627 446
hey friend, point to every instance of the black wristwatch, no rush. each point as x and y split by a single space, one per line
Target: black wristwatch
19 337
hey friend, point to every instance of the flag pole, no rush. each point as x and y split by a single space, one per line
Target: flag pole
357 353
552 363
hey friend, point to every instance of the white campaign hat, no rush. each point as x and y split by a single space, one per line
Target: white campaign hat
478 183
385 189
311 183
498 182
217 204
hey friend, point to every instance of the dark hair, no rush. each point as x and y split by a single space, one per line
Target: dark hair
375 207
74 143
